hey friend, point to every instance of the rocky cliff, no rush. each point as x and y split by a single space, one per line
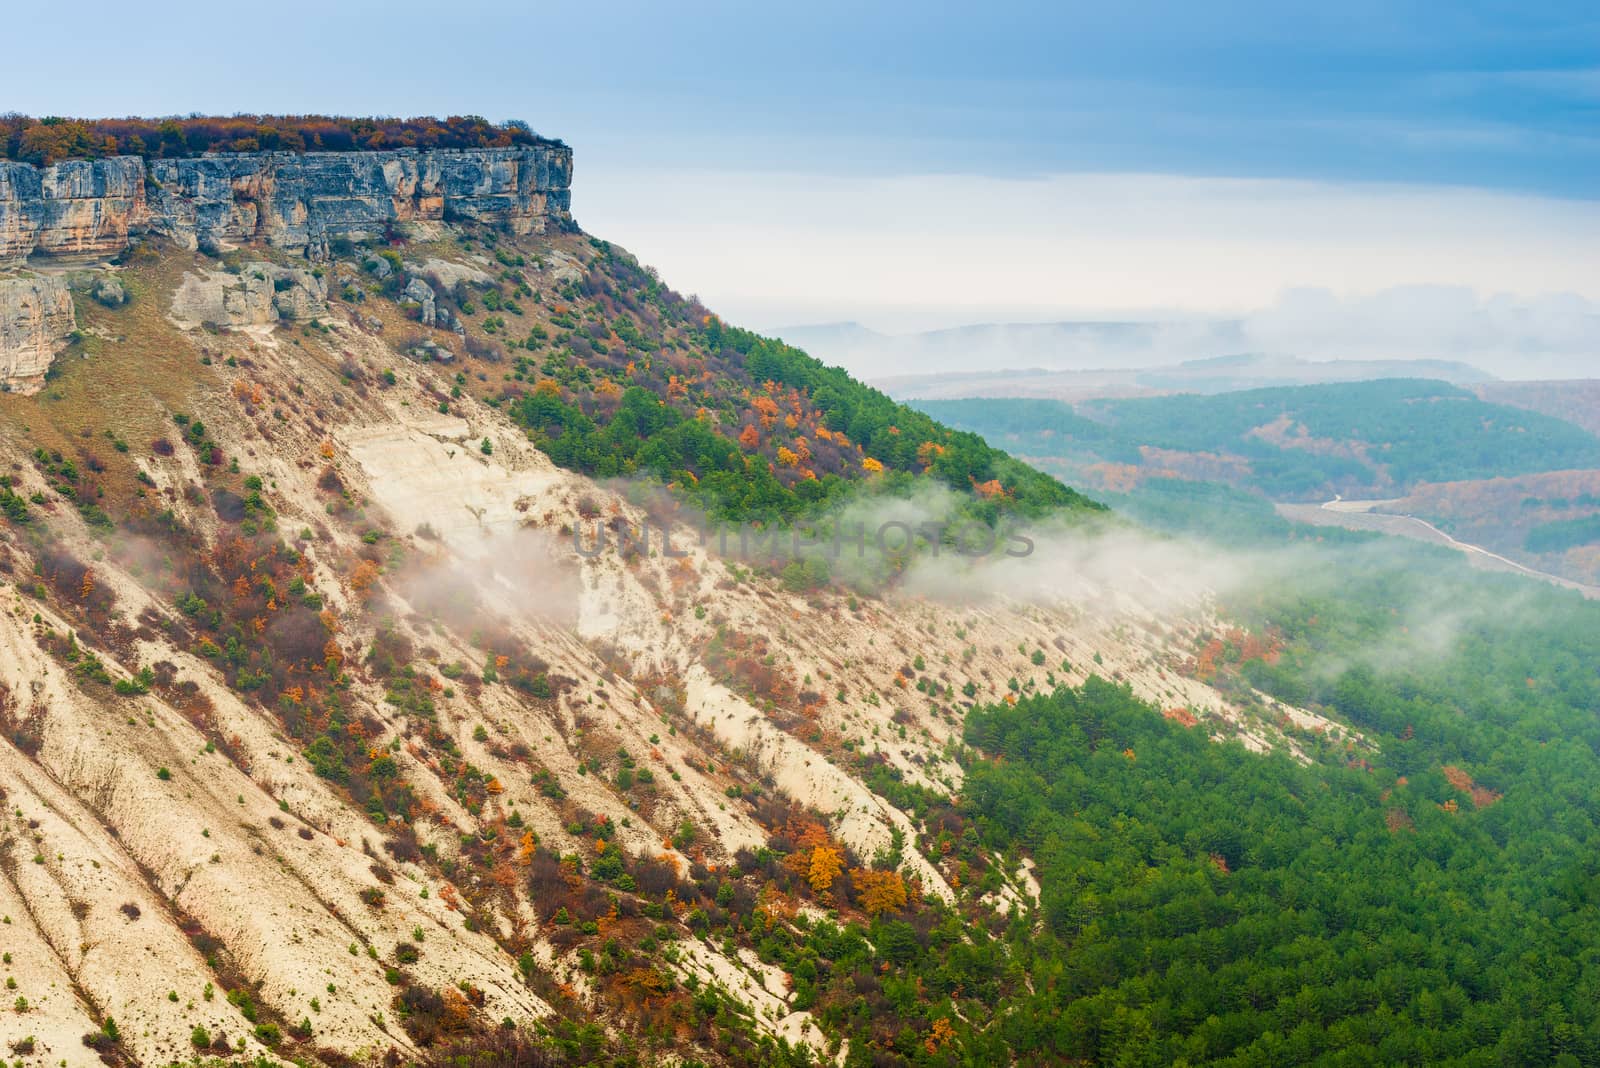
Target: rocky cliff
36 319
76 207
90 208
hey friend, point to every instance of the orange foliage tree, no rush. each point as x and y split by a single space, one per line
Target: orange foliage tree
879 891
766 410
941 1035
826 864
365 575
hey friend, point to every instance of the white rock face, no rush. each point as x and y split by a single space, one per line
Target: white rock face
446 273
76 208
261 293
36 320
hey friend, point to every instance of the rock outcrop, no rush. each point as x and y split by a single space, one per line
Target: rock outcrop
422 293
36 321
109 292
448 275
300 201
259 294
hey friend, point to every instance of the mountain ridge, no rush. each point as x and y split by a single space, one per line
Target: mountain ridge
1077 359
1209 375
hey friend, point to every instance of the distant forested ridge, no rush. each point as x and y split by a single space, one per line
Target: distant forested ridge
1299 442
42 141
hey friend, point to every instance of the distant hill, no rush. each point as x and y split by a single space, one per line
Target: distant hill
1051 346
1072 360
1376 438
1216 374
1550 519
1575 400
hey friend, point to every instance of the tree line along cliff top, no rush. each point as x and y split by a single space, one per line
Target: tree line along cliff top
43 141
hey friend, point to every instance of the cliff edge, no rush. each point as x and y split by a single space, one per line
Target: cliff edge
301 201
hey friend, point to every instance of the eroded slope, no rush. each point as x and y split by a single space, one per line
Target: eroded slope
323 739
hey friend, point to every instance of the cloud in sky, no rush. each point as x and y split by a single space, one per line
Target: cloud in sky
1550 335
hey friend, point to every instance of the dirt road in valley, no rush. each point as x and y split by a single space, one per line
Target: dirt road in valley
1367 515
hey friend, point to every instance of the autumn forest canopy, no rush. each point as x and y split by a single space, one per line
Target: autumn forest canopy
42 141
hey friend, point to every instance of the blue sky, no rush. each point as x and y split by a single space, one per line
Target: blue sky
1503 95
1473 116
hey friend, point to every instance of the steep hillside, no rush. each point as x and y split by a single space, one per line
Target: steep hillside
324 740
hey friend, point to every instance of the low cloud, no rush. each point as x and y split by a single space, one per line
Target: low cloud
924 544
1555 335
525 573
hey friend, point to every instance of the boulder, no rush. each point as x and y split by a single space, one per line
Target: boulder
430 352
447 274
109 292
559 266
422 293
299 294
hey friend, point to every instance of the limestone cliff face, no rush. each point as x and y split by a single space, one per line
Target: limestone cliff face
289 200
36 319
76 207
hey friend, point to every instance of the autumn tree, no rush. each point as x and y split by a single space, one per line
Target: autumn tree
878 891
366 573
826 864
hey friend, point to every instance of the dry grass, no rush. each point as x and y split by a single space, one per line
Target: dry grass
131 370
